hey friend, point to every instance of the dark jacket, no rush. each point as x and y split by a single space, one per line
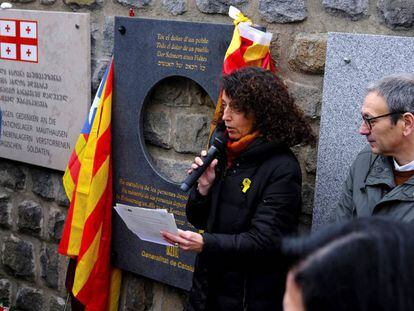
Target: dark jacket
370 189
240 267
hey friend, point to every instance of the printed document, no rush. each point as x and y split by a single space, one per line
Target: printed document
146 223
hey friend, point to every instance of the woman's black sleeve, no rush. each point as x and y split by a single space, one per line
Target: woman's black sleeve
198 208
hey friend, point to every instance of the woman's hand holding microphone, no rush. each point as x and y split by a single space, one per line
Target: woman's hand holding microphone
207 178
188 240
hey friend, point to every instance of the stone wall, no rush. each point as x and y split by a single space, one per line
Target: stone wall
176 125
32 202
33 206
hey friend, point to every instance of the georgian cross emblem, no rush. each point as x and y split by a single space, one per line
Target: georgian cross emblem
19 40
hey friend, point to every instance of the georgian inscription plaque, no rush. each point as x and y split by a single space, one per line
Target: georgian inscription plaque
146 52
44 84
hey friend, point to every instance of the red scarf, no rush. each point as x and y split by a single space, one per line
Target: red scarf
234 148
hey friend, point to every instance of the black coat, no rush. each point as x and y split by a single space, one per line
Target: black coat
240 267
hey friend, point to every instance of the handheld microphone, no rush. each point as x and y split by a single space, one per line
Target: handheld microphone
219 142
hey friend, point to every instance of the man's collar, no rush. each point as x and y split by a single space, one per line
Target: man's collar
381 172
403 168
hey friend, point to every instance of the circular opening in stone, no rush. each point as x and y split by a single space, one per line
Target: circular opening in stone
176 118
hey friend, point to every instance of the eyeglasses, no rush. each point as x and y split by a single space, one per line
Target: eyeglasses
368 120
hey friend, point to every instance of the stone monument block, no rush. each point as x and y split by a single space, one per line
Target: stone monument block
44 84
147 52
352 61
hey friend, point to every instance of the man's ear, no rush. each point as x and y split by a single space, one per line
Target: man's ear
408 119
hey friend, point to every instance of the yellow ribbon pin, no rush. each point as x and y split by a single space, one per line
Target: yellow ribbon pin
246 184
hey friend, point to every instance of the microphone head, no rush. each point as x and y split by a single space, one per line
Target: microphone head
221 127
220 136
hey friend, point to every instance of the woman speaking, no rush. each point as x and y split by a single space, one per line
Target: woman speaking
247 199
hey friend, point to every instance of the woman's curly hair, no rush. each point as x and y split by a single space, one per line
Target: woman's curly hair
259 92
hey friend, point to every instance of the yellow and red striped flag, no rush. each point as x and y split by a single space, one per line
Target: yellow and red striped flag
249 46
88 184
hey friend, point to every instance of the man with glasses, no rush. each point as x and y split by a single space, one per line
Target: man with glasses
381 179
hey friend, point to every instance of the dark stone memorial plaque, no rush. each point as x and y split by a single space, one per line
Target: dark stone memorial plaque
146 52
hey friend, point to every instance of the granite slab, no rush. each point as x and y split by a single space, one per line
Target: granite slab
352 61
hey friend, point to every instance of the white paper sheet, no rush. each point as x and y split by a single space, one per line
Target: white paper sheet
147 223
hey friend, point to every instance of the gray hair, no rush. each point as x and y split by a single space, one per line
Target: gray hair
397 91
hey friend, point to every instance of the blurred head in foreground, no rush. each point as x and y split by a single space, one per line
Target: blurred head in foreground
367 264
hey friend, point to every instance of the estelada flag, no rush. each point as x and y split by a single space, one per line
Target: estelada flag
88 184
249 46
